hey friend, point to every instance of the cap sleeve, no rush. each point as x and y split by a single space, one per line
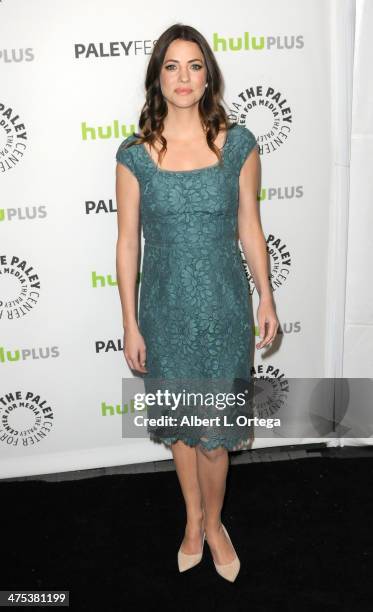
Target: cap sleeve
247 144
125 156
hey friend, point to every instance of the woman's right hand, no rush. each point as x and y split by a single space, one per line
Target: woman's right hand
135 349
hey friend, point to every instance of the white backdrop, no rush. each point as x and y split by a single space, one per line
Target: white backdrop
72 87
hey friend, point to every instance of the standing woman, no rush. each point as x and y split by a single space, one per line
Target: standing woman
193 176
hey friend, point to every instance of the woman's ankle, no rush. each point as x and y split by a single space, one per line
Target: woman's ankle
213 527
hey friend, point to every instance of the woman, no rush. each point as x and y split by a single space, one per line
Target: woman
194 177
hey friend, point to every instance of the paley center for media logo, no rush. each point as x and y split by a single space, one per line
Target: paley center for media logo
13 137
19 287
26 419
266 111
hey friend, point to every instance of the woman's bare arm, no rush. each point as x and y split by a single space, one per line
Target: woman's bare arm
127 257
127 250
254 245
249 226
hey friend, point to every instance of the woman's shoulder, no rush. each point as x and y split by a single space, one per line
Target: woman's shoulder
127 152
127 142
244 137
243 133
244 141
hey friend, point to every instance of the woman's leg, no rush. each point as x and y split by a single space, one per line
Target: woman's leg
212 468
185 460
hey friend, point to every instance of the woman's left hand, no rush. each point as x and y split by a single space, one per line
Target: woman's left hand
267 316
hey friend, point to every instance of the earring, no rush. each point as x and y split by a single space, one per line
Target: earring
206 84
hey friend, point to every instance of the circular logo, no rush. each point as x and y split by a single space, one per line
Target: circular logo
268 108
271 393
13 138
19 287
25 419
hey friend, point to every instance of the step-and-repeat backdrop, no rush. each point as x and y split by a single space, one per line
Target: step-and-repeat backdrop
72 86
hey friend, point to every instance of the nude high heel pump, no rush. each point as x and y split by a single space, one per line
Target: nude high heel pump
230 570
186 561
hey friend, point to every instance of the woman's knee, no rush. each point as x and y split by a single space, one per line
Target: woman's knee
214 453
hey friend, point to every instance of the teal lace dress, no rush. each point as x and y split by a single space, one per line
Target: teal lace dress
194 310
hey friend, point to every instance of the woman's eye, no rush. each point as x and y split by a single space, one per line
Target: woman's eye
198 66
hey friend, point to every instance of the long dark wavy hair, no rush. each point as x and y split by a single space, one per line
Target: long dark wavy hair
213 115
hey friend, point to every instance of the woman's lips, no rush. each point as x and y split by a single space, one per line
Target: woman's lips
183 91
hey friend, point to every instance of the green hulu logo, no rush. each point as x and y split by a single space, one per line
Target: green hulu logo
239 43
109 410
100 280
105 132
9 355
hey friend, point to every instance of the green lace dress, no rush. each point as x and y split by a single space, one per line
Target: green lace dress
194 310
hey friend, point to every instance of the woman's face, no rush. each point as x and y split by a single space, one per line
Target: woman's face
183 74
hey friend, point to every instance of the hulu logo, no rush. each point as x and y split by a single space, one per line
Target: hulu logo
100 280
9 355
240 43
108 410
106 132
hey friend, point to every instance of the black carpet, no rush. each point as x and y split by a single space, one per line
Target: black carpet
302 530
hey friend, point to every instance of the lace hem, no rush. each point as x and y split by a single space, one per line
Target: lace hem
230 445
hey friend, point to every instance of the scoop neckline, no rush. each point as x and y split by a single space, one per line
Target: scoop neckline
193 169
